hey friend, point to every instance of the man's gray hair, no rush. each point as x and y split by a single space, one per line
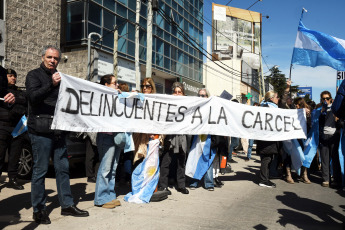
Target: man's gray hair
44 50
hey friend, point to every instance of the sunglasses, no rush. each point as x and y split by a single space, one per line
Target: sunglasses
326 98
147 86
201 95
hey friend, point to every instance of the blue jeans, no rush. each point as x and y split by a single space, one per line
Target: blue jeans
43 147
208 179
250 147
235 141
109 149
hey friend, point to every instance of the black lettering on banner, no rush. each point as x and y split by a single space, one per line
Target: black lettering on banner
136 100
69 103
293 124
199 116
222 116
126 109
91 99
243 119
258 120
115 107
286 123
168 113
106 104
83 102
147 108
269 117
278 116
209 117
159 111
181 113
100 105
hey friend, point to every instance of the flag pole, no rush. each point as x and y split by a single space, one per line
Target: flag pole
303 10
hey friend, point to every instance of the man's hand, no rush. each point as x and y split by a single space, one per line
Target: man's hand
9 98
56 79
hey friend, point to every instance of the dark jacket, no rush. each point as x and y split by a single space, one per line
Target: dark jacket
267 147
5 123
3 83
42 95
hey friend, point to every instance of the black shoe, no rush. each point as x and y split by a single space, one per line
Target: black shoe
91 179
232 161
183 190
247 159
41 217
218 182
74 211
14 184
164 189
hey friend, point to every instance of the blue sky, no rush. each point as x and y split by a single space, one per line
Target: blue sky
279 34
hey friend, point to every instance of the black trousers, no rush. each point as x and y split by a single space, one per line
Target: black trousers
91 159
328 151
180 174
265 167
14 146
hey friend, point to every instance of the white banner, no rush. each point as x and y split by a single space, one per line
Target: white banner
85 106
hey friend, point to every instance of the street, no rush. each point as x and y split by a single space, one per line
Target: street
239 204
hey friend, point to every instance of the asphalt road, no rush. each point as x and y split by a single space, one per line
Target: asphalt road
239 204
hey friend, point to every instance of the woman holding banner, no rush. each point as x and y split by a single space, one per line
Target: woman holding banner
109 148
266 149
142 139
174 145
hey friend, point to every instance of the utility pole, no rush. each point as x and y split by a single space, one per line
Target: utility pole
116 39
149 39
137 67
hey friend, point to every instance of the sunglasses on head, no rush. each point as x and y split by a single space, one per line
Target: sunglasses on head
147 86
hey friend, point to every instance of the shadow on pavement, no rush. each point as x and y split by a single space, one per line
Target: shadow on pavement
302 207
11 206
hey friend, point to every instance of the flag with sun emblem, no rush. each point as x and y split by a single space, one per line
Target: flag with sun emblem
145 176
200 157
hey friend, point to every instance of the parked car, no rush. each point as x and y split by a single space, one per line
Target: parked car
76 149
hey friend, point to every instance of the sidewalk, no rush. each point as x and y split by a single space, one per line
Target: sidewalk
240 204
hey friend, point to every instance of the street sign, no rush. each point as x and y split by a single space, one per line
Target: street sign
303 91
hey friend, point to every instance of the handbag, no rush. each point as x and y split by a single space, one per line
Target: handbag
43 123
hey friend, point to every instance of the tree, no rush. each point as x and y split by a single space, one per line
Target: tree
278 80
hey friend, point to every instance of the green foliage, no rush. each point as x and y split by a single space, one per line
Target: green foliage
278 80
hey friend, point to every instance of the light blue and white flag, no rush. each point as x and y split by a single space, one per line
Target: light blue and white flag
312 142
21 127
341 151
294 149
200 157
145 176
313 48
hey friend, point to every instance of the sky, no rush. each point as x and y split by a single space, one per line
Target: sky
279 34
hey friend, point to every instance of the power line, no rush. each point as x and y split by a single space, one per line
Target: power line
184 34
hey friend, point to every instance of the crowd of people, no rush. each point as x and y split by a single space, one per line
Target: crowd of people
109 148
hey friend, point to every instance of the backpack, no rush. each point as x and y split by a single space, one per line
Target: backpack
338 105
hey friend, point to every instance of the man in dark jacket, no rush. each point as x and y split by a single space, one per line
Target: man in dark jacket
10 116
42 85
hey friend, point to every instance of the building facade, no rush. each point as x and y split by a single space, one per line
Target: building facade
235 48
177 34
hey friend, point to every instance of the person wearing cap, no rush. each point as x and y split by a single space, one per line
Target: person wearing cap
9 117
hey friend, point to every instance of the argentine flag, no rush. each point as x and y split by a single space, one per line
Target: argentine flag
145 176
294 149
200 157
21 127
313 48
312 141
